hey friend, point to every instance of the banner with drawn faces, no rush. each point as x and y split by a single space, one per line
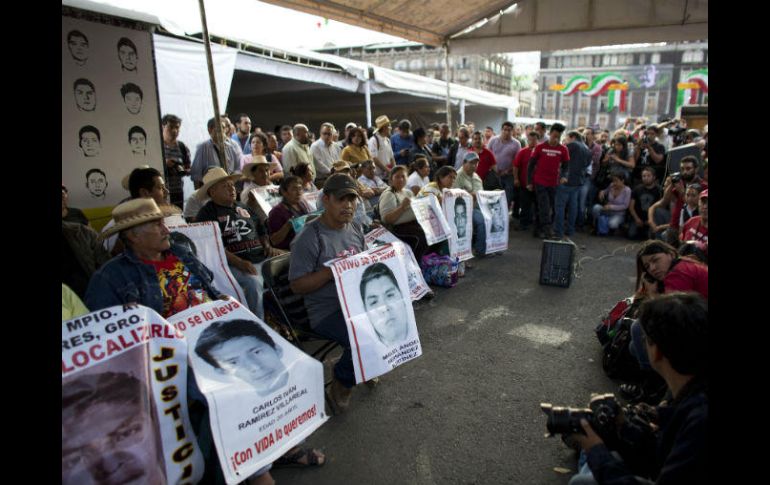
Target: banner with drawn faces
373 291
494 208
124 400
417 285
431 218
458 210
110 118
265 396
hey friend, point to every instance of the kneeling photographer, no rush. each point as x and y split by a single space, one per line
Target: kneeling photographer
672 447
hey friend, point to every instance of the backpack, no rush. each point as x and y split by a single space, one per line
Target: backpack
607 328
617 360
440 270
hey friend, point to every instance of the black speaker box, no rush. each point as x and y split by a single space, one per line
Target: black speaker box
556 263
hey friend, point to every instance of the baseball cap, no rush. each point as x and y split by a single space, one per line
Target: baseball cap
340 184
470 156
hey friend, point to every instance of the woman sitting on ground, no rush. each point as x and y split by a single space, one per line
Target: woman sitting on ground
279 223
445 179
614 201
356 151
397 215
418 175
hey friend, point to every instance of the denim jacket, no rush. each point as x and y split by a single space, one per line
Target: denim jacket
125 279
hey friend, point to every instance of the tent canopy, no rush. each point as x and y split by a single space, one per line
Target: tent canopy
481 26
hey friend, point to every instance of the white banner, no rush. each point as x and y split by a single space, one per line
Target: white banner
458 210
124 400
311 199
265 396
431 218
493 206
417 285
110 121
374 294
205 241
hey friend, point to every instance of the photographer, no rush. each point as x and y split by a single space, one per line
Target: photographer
649 152
676 339
663 216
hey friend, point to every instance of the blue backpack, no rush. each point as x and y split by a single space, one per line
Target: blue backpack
603 225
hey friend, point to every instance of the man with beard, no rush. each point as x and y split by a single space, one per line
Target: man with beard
659 217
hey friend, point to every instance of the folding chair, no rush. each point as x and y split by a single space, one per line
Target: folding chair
289 309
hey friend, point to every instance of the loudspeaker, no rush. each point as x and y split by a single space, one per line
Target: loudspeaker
556 263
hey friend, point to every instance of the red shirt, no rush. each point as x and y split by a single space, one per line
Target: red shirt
679 203
688 276
486 162
521 163
549 159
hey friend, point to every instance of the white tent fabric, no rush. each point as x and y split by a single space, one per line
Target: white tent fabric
269 67
183 83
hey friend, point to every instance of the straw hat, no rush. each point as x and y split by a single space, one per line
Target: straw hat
340 165
381 121
251 167
133 213
212 177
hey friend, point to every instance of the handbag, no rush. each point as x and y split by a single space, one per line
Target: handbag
440 270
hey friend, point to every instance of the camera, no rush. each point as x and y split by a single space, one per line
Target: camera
601 414
676 177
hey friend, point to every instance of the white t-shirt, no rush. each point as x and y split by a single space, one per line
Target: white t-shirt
384 153
416 180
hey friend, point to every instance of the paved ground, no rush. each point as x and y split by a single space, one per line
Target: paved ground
494 347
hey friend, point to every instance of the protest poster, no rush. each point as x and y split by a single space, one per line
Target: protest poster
124 400
417 285
494 208
265 396
267 197
204 239
431 218
311 200
373 291
458 211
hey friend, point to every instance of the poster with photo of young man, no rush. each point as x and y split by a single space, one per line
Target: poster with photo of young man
493 205
265 395
417 285
458 211
373 291
431 218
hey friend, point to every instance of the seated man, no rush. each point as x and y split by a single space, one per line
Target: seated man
676 338
82 254
330 236
150 271
244 237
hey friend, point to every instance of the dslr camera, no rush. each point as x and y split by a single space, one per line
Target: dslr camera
676 177
601 414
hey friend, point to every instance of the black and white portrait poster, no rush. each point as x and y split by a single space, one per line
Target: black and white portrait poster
110 121
458 211
267 198
204 239
417 285
265 395
311 199
124 400
494 208
374 295
431 218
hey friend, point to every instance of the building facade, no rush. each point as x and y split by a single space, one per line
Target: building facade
648 76
491 72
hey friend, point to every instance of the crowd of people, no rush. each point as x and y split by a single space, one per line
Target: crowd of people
557 182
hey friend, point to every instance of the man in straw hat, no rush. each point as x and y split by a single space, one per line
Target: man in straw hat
244 237
151 271
380 148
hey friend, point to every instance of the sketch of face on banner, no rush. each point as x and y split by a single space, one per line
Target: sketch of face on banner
374 292
458 209
108 434
493 206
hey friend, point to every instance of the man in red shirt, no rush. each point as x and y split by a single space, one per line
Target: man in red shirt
487 160
697 228
543 176
526 197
